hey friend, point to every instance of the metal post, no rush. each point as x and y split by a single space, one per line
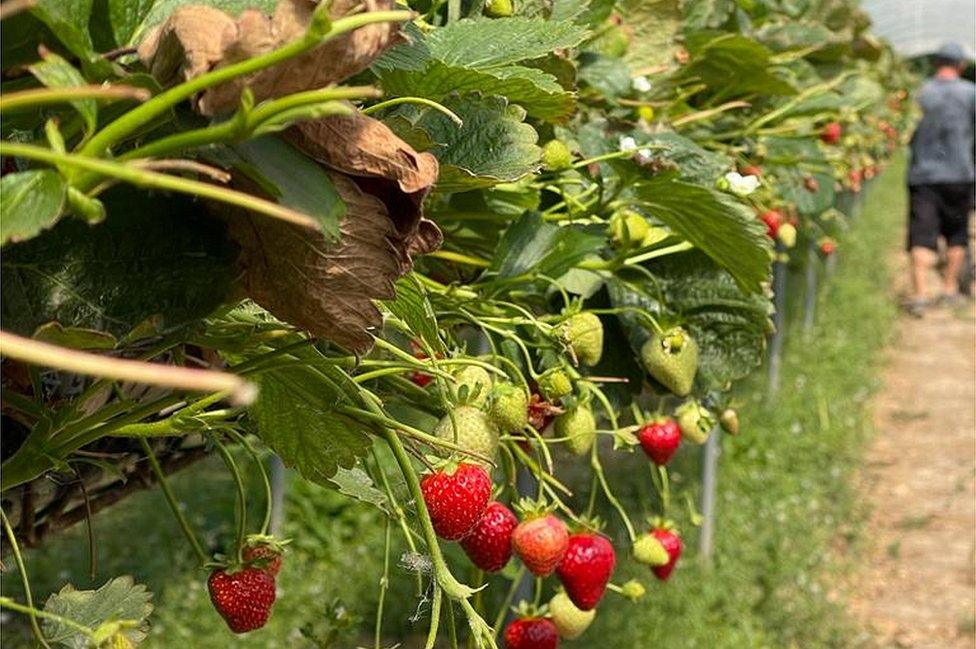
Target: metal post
779 320
278 489
810 298
706 539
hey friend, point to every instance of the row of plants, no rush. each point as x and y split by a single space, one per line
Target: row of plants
428 255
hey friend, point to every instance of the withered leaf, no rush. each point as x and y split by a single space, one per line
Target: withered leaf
325 288
381 163
196 39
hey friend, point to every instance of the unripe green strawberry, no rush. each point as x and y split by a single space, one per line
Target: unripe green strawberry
570 621
655 234
499 8
555 384
509 408
628 228
579 426
671 357
730 421
556 155
475 431
473 385
633 590
787 234
648 550
583 332
695 421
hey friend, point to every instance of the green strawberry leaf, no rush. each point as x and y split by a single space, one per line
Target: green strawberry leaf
296 416
481 55
32 200
118 600
55 72
412 306
654 25
531 244
357 484
706 14
74 337
736 62
729 326
68 19
713 222
151 257
494 145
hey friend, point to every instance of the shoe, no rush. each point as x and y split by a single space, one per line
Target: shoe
915 307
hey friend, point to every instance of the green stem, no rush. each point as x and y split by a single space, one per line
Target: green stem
241 495
384 581
6 602
155 180
173 504
36 97
435 618
25 582
509 596
265 480
396 101
320 31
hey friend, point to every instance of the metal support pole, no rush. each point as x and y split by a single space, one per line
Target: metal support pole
278 489
810 298
779 320
706 539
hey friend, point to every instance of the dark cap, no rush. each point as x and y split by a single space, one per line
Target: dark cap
952 52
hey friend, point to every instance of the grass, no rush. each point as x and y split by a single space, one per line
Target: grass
787 526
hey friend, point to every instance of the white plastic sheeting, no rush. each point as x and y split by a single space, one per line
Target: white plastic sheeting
918 27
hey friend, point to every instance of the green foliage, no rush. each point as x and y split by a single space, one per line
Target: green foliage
493 145
120 600
33 200
155 259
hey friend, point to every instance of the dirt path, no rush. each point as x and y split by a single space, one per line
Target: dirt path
918 585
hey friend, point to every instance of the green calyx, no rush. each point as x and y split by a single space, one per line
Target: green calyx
671 358
555 384
583 333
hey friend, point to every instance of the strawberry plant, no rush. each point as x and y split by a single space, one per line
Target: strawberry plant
433 245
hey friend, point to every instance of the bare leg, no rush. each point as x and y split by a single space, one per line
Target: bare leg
955 259
922 261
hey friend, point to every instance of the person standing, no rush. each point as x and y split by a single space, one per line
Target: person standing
941 175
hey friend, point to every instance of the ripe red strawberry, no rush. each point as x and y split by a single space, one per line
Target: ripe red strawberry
456 500
669 538
827 247
660 439
243 598
531 633
773 219
541 543
489 544
586 568
831 133
751 170
264 556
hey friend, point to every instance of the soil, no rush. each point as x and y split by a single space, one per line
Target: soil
917 586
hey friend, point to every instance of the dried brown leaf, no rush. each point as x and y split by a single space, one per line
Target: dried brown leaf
325 288
196 39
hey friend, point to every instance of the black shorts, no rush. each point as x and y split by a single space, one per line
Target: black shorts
941 209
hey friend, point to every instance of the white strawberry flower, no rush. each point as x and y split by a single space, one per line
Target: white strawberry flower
641 84
741 185
627 143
